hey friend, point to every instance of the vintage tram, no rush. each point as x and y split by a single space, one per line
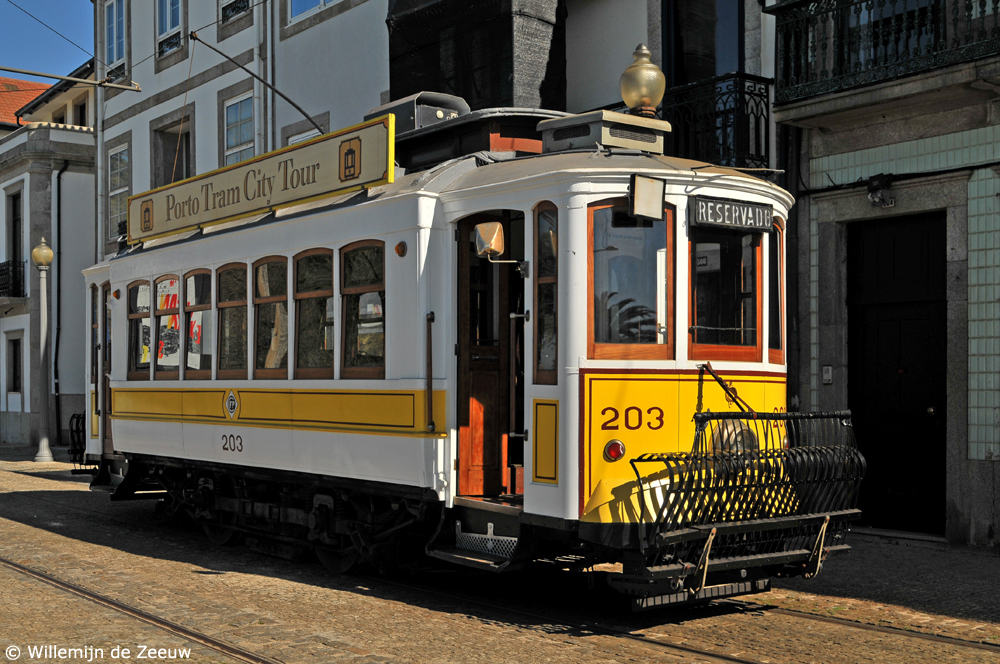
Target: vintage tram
529 336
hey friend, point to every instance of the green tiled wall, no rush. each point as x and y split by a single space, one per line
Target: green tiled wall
958 150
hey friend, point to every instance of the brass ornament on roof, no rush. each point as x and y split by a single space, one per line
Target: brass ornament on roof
642 84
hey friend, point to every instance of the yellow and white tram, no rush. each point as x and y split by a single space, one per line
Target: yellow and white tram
571 347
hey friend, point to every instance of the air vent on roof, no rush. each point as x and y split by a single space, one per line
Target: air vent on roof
566 133
632 133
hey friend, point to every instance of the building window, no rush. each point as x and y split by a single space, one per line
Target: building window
314 313
362 290
114 17
15 364
168 26
631 284
80 114
304 136
232 299
239 130
270 299
725 287
233 8
139 336
297 8
172 155
546 293
775 296
15 239
168 329
118 190
198 323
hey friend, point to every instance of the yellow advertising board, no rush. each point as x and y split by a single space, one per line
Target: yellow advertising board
336 163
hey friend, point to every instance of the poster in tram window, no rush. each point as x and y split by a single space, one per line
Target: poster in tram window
197 341
168 338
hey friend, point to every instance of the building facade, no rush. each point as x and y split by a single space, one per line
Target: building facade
47 183
888 132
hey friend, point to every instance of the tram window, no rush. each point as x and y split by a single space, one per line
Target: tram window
362 287
546 297
314 314
168 332
138 330
776 291
232 304
94 338
271 318
631 284
198 323
725 282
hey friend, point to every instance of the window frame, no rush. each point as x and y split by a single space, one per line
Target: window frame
305 373
373 373
162 34
544 376
230 374
189 373
293 18
777 355
139 375
722 352
118 23
268 374
113 225
659 351
155 328
252 144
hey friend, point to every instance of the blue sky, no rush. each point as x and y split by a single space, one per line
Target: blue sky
27 44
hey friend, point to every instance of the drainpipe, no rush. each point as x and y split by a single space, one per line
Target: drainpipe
57 303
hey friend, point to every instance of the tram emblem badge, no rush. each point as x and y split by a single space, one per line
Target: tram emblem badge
146 214
350 159
232 405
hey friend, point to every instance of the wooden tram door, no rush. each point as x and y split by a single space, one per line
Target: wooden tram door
485 397
897 342
105 371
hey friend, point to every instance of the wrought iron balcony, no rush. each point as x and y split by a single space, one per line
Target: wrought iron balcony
722 120
12 279
833 45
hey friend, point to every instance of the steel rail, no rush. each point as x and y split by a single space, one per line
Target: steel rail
868 627
164 624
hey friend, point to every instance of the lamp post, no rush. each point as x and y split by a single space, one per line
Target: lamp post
41 256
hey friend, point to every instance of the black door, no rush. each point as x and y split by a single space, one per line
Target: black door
897 314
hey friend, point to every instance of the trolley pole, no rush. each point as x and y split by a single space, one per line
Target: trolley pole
41 256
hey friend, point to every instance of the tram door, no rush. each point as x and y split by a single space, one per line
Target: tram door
488 360
897 343
105 371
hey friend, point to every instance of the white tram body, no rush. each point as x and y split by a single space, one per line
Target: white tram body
519 437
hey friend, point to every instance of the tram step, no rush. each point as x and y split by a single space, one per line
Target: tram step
482 561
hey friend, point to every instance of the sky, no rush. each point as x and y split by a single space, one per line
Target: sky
27 44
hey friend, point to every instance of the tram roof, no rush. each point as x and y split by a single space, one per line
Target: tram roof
481 169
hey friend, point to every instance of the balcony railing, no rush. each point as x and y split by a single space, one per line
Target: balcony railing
722 120
832 45
12 279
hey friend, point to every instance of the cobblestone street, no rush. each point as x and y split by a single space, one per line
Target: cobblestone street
51 523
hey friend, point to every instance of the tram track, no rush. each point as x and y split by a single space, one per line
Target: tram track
424 589
176 629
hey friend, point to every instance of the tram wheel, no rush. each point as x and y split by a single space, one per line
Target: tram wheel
337 563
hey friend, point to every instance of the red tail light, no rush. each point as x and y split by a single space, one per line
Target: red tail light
614 450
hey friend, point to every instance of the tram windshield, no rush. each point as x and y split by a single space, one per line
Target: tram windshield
724 281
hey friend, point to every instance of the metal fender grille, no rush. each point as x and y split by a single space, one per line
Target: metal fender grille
496 545
747 467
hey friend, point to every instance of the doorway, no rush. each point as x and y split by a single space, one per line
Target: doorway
897 345
105 370
490 366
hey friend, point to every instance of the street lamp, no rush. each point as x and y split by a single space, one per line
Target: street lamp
41 256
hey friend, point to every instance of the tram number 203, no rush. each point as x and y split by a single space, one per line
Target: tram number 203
231 443
632 418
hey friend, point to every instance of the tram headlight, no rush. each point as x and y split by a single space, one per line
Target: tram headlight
734 436
614 450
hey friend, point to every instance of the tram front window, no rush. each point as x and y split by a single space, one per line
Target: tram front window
725 285
363 294
630 266
138 331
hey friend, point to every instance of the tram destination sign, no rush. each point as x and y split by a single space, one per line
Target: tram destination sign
337 163
733 214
